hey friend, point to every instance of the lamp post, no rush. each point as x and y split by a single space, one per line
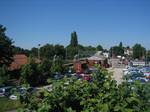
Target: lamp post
39 51
66 53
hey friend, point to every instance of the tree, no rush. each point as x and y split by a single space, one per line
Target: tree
34 52
19 50
3 74
99 48
47 51
71 52
29 73
102 94
148 55
35 74
57 65
120 45
74 39
6 47
59 50
138 51
117 50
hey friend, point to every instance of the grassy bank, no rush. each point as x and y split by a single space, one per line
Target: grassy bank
7 104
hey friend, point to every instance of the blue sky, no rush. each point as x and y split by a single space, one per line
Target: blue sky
105 22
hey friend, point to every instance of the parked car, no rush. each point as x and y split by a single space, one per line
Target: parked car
31 89
48 87
68 75
142 80
57 76
87 77
13 97
5 91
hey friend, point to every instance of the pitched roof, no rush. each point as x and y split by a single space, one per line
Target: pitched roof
19 60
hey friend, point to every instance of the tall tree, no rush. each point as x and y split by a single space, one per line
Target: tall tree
6 47
138 51
74 39
120 45
99 48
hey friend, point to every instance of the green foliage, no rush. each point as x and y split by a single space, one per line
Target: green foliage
48 51
71 52
99 48
35 74
45 65
148 56
117 50
34 52
60 50
3 74
138 51
82 51
6 47
57 65
18 50
74 39
100 95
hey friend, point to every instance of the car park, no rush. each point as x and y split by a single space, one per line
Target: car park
141 74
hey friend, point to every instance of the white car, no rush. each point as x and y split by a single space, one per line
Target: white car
13 97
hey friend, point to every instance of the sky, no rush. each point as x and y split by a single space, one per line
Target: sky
104 22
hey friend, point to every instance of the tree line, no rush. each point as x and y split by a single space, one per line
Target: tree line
47 53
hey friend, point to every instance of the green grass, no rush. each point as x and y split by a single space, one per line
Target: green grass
7 104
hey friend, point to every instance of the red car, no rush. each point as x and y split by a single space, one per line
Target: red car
87 77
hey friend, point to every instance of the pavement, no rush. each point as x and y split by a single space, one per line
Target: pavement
117 74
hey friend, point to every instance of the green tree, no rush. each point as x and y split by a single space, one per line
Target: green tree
148 55
120 45
74 39
117 50
100 95
36 74
57 65
71 52
3 74
60 50
138 51
6 47
34 52
47 51
19 50
29 73
99 48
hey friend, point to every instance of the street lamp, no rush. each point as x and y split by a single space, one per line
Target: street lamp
39 51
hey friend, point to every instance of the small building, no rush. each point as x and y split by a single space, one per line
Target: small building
128 51
80 66
98 58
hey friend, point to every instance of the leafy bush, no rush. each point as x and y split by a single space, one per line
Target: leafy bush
102 94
